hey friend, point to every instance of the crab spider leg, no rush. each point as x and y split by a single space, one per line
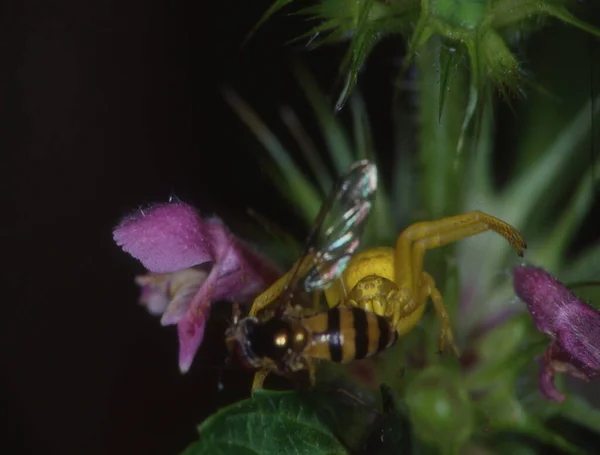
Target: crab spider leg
259 379
433 234
428 289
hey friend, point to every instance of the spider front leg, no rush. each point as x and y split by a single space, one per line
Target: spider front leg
432 234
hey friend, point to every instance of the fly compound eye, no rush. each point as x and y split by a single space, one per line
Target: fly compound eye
281 339
279 346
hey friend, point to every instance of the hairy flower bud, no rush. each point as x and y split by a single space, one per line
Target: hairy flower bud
573 325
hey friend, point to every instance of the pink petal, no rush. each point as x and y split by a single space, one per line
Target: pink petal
546 383
573 325
232 278
544 295
237 256
243 274
166 237
191 327
558 360
578 335
191 332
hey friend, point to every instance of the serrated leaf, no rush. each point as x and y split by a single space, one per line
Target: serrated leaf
364 38
270 423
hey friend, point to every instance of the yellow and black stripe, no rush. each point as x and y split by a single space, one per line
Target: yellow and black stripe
343 334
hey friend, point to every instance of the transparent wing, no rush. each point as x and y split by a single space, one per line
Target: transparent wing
336 234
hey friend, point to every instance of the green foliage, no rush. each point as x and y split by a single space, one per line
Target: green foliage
488 402
311 422
343 150
268 423
474 28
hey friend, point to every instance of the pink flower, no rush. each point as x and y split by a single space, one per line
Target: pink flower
573 325
194 262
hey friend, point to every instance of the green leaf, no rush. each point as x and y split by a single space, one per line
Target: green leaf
481 190
366 35
344 406
580 411
363 141
274 8
533 185
585 267
421 35
442 178
560 12
504 354
270 423
472 104
557 242
575 409
335 137
295 185
504 412
308 149
509 12
450 58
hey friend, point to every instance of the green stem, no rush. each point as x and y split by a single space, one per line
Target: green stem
439 134
442 170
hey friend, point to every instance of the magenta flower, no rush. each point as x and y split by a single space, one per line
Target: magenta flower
573 325
194 262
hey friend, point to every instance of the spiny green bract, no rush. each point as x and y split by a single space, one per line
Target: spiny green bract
483 30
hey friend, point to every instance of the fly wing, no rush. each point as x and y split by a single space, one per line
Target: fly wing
339 226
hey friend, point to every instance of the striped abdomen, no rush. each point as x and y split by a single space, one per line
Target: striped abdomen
343 334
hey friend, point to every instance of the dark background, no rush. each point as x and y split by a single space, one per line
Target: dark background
107 105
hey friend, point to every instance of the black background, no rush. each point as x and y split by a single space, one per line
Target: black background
107 105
